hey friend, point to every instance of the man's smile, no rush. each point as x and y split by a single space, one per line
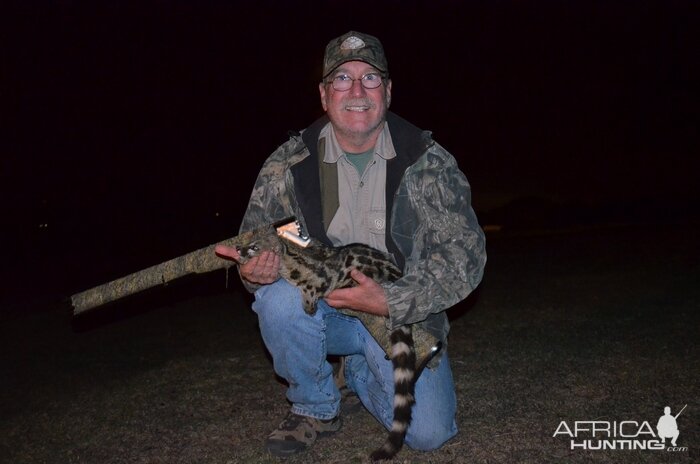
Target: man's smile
358 105
357 108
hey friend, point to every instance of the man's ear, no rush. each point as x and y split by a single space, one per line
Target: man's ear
388 93
322 91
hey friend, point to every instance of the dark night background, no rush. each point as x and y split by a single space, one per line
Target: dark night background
133 131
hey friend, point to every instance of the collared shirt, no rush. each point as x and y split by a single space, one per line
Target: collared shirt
361 214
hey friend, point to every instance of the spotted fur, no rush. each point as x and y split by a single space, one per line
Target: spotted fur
317 270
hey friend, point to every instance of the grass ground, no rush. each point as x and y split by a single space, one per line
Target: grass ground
597 325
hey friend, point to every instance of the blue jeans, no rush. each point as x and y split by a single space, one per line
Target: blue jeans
299 345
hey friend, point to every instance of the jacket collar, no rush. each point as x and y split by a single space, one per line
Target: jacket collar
409 140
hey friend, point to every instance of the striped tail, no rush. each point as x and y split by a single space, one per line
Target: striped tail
404 361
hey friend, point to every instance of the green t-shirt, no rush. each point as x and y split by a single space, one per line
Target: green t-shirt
360 160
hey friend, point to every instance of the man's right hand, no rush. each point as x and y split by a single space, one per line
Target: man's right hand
263 269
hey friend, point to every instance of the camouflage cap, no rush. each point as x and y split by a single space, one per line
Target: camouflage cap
354 46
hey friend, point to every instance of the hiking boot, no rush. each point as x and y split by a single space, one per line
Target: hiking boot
349 402
296 433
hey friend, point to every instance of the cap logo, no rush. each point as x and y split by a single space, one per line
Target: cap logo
352 43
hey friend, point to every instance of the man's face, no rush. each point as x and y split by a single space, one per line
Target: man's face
357 113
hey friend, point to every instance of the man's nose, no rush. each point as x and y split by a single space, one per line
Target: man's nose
357 88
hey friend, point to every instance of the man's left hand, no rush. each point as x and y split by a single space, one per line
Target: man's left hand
368 296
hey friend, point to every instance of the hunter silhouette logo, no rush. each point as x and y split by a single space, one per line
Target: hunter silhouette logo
667 427
623 434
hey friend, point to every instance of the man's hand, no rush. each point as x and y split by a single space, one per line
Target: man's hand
368 296
263 269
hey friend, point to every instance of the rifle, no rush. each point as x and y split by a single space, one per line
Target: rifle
679 412
196 262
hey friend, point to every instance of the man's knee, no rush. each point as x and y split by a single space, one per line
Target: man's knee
427 437
278 301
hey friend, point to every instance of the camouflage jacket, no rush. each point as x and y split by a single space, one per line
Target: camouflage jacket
432 233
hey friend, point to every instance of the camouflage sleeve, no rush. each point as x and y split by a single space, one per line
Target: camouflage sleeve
272 198
446 245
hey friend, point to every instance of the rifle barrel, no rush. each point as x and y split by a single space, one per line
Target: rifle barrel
679 412
198 261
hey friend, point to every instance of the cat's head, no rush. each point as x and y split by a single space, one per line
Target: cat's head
253 243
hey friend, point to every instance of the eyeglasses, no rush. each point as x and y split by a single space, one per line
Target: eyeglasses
343 82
